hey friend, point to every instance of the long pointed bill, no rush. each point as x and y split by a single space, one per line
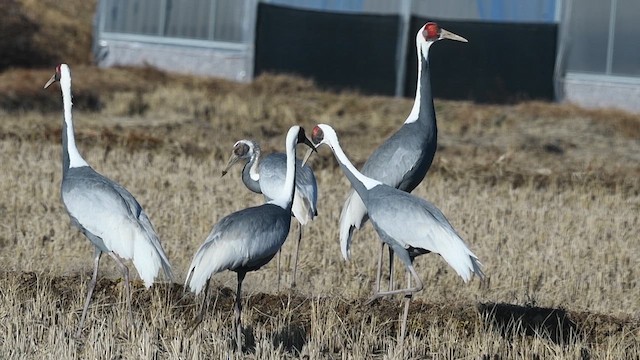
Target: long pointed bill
308 155
444 34
309 143
232 160
51 81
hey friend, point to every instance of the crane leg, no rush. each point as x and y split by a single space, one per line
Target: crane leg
125 273
203 309
390 268
237 311
90 287
405 313
295 259
408 290
379 272
278 265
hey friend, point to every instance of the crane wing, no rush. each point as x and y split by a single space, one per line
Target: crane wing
115 221
247 239
394 159
416 223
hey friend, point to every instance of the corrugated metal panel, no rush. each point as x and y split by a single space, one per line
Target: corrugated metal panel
588 37
599 38
135 17
625 50
213 20
228 20
188 19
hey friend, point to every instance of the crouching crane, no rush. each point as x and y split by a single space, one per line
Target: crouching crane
409 225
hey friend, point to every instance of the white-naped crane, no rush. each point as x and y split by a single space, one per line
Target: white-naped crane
247 239
104 211
266 174
403 160
409 225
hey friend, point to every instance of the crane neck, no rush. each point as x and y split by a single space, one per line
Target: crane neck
251 172
360 182
285 198
254 168
70 155
423 110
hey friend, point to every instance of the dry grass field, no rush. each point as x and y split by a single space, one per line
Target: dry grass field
547 195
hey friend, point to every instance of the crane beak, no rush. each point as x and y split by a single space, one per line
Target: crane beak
308 155
51 81
444 34
232 161
310 144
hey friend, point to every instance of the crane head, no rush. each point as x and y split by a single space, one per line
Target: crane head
242 150
55 77
317 135
432 32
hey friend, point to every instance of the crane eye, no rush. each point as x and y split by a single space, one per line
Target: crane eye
241 149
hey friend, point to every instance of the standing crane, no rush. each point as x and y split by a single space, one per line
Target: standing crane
403 160
104 211
409 225
266 175
247 239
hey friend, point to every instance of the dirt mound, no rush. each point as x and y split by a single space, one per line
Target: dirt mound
39 33
556 325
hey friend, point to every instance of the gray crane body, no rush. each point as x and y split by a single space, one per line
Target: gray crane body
86 193
247 239
410 225
234 244
266 175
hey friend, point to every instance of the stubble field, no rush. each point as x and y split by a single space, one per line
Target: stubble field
547 195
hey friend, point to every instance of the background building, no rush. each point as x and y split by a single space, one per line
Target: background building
581 51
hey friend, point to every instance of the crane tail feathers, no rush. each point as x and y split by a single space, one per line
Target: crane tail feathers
198 274
353 216
303 210
210 260
148 254
142 247
461 258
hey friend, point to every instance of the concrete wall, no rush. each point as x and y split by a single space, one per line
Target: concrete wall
599 92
